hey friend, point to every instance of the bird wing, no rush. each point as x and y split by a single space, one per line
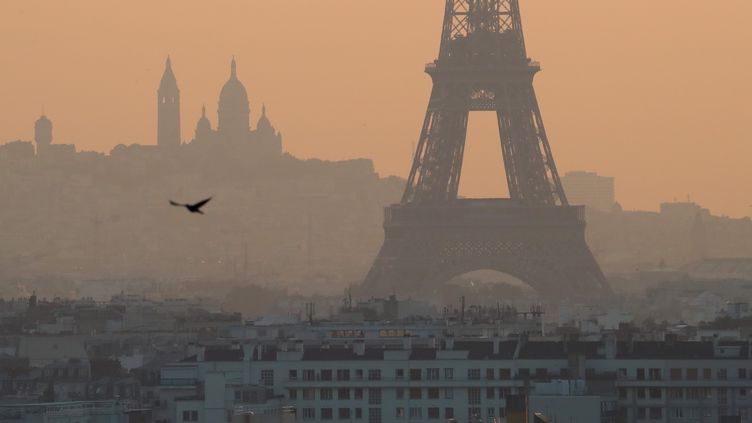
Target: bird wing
172 203
202 203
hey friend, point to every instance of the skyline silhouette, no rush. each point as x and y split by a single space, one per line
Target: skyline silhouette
622 102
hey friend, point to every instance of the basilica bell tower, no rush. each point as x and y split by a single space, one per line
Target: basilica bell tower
168 110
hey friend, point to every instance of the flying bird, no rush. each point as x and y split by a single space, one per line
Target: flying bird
193 208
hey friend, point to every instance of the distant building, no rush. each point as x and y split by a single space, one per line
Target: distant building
234 128
589 189
17 150
43 140
42 133
168 109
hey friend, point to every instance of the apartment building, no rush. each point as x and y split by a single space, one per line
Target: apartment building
473 380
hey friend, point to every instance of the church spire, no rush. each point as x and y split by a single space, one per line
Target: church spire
233 69
168 109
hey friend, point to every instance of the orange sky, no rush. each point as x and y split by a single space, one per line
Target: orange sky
655 93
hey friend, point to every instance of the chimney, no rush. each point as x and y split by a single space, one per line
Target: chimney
432 342
191 350
611 347
449 342
496 344
407 343
359 347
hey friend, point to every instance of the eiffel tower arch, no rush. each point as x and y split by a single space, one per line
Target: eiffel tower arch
432 235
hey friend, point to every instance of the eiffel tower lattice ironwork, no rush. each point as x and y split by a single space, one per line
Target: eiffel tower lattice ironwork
535 235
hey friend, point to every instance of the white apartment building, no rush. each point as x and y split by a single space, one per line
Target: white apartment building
473 380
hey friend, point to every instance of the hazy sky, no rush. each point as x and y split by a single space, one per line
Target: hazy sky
653 92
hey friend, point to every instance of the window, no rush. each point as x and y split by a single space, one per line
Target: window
490 374
675 393
448 373
359 374
654 374
399 374
743 392
309 413
432 374
358 394
656 413
416 393
416 413
343 394
326 394
742 373
691 374
343 413
358 413
524 373
327 414
490 411
309 374
400 393
343 374
415 374
473 396
675 374
722 374
190 415
473 374
433 412
374 374
399 412
449 413
309 394
291 394
505 374
622 393
490 394
293 375
433 393
676 413
448 393
655 393
267 377
473 414
622 373
326 374
693 393
640 393
707 373
374 415
640 374
374 396
642 413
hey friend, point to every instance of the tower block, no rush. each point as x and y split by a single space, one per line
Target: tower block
535 235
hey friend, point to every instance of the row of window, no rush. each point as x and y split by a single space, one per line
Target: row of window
374 394
267 376
684 374
327 394
374 414
684 394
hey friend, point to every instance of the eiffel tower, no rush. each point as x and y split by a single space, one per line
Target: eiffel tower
433 235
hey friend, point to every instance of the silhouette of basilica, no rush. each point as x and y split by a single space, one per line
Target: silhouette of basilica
233 131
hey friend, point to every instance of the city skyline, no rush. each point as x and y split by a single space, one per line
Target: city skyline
599 98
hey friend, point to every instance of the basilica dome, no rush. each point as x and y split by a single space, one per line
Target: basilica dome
233 106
